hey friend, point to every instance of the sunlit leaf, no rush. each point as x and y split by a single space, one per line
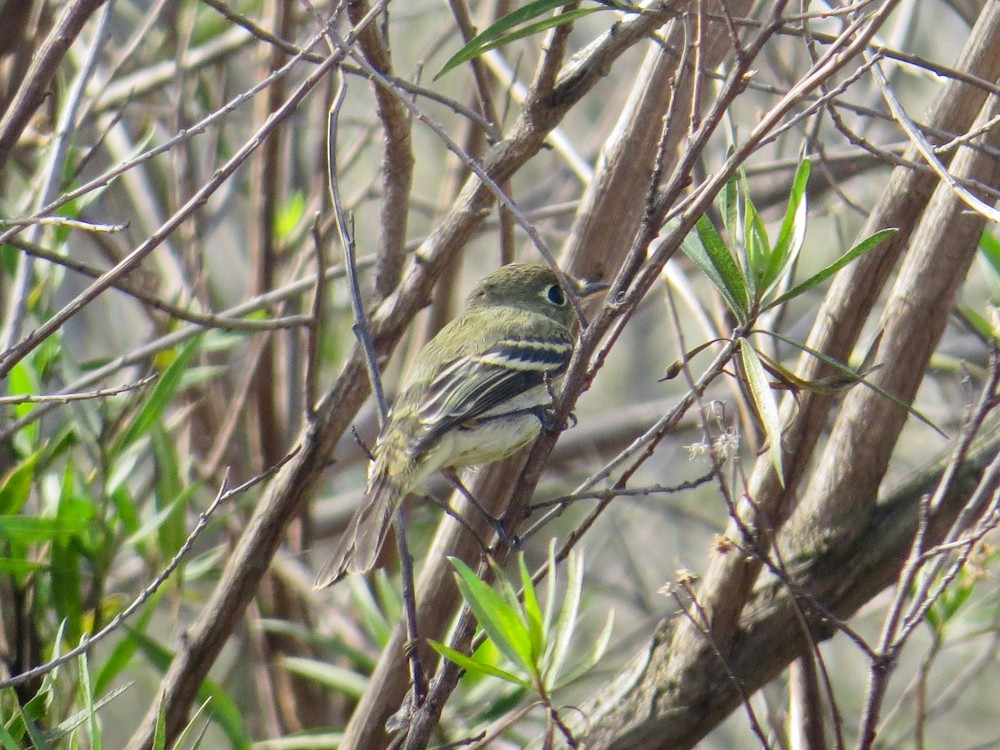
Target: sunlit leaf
15 487
502 625
474 666
289 214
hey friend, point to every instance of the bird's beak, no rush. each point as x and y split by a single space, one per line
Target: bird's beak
587 289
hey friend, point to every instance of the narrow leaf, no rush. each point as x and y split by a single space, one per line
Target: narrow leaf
532 611
594 656
7 741
474 666
495 617
504 30
224 710
793 230
851 255
714 258
729 206
339 679
550 588
158 398
756 245
566 623
826 359
764 403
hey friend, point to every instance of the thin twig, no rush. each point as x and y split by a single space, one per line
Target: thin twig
925 149
361 329
66 398
316 319
363 334
201 320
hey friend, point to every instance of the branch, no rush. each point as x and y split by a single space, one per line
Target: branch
44 66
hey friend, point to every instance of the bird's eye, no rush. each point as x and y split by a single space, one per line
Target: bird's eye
556 295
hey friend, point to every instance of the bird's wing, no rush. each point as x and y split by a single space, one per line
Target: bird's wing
482 384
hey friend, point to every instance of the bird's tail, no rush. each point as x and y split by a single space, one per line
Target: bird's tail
361 543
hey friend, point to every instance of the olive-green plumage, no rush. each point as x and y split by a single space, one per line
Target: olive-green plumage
476 393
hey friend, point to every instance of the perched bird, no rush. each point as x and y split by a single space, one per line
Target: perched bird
477 392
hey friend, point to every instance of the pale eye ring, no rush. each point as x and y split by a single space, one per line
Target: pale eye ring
555 295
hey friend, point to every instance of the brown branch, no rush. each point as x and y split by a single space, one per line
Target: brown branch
844 577
397 159
677 659
292 486
44 65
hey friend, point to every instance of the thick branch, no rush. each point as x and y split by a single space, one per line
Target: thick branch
642 711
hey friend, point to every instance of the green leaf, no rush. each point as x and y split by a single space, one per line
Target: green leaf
93 728
826 359
160 731
509 594
311 739
793 230
729 205
566 622
15 487
983 326
502 625
711 255
333 676
474 666
70 554
31 530
190 728
594 656
989 246
764 403
289 214
989 252
121 656
755 242
550 588
532 611
851 255
171 492
157 400
37 738
19 567
374 619
7 741
389 598
503 30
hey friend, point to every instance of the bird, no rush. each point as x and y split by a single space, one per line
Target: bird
477 392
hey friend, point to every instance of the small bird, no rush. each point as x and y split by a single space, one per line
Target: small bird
477 392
